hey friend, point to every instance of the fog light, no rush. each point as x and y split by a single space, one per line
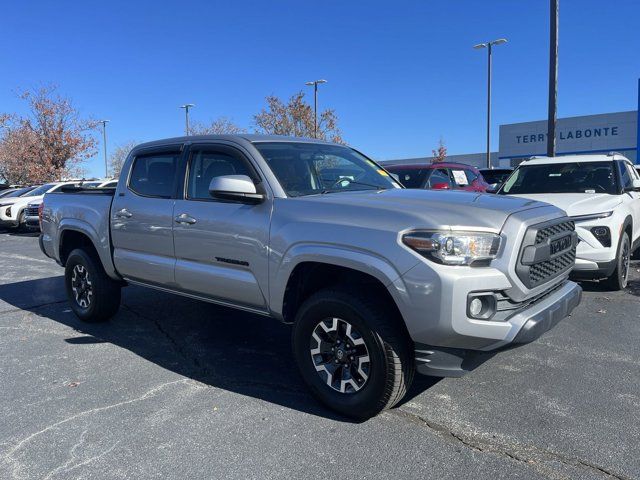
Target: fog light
481 306
475 307
603 234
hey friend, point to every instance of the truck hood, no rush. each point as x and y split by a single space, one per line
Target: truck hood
415 208
578 203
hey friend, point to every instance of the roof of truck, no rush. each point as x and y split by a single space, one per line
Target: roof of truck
247 137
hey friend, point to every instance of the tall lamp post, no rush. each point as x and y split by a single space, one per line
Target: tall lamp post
553 78
489 47
104 144
186 107
315 104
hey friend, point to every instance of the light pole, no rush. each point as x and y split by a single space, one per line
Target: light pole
553 78
489 47
186 107
315 104
104 144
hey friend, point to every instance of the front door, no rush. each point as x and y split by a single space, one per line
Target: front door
142 219
221 246
634 200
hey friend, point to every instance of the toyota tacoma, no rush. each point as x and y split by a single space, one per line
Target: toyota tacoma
377 281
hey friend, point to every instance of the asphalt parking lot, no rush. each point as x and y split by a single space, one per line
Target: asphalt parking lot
174 388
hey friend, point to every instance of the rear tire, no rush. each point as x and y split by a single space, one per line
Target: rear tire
371 363
620 276
94 297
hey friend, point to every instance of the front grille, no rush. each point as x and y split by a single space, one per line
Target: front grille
554 230
32 211
550 265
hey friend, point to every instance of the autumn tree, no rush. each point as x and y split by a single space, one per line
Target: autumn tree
295 118
118 156
219 126
48 143
440 154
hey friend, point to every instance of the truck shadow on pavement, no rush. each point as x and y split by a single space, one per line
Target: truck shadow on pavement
221 347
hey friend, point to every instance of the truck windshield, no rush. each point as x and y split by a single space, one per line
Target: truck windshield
587 177
311 168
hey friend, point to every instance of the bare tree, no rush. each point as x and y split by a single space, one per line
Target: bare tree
118 156
219 126
48 143
295 118
440 154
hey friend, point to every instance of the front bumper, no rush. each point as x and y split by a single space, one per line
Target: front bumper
530 322
32 221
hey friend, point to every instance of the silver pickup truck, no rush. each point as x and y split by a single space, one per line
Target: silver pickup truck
378 281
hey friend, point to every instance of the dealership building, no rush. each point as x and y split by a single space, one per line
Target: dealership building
589 134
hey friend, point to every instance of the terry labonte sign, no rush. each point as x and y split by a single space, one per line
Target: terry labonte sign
588 134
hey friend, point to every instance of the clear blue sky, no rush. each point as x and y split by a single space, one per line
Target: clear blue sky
401 74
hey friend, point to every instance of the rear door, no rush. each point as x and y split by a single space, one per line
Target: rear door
221 246
142 218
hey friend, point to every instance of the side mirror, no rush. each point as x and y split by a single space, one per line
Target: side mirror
239 188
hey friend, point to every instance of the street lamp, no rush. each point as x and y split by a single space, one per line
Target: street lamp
315 104
104 144
186 107
489 47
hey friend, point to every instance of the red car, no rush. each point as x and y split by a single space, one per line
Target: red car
440 176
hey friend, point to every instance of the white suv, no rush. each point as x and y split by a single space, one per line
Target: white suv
13 211
601 194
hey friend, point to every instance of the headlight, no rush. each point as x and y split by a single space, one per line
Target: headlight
592 216
454 248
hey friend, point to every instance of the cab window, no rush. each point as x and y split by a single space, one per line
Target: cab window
205 165
153 175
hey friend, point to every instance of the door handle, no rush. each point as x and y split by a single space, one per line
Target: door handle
184 218
124 213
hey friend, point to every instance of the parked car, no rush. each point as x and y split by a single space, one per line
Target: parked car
32 214
13 210
378 281
495 177
440 176
601 195
15 192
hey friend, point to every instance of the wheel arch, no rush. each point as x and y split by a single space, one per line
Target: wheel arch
77 234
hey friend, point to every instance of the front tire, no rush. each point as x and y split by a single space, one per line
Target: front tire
93 296
352 353
620 276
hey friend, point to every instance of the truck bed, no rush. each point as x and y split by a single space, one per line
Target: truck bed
85 210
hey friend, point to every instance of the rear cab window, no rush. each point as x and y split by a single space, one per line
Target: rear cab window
154 174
